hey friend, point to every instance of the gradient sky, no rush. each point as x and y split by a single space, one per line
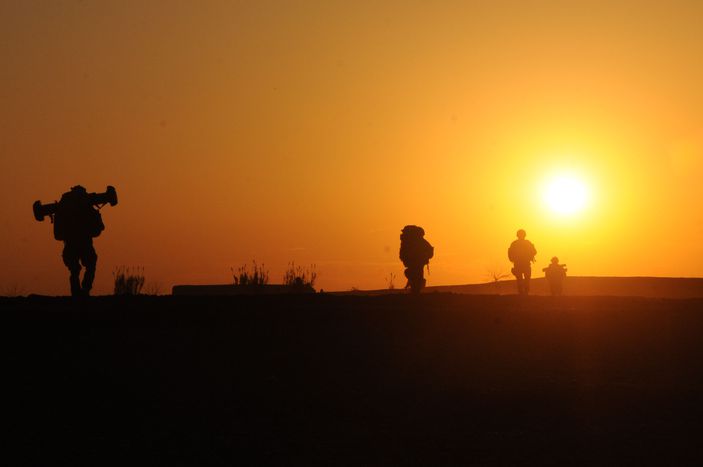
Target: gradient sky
313 131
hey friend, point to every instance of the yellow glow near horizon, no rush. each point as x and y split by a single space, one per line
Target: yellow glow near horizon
566 195
314 131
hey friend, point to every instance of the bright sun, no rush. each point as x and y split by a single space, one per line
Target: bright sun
566 195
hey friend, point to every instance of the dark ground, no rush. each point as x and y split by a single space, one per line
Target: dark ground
338 380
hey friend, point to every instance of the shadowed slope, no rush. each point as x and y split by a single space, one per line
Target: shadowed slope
436 380
663 287
653 287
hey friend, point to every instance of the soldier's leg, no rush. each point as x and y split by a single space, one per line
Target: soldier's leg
520 284
415 278
517 279
520 278
421 279
90 260
528 275
558 288
71 260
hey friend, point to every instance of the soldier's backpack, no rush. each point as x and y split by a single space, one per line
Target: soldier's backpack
521 251
414 249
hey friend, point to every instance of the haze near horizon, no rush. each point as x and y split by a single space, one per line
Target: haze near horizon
314 131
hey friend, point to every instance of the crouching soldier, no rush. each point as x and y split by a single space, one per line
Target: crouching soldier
415 253
555 274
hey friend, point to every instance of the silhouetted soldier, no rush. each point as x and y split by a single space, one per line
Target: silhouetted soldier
76 222
555 274
415 253
522 253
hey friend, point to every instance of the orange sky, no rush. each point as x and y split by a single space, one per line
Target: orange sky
313 131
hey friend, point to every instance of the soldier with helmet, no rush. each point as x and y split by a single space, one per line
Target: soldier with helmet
555 274
415 253
76 222
522 254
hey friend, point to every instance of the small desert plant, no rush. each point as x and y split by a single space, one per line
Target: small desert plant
496 275
128 281
14 290
259 275
153 288
391 281
299 277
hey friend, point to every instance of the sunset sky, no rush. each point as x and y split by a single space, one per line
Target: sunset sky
314 131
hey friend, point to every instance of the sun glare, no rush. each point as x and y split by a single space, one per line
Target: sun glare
566 195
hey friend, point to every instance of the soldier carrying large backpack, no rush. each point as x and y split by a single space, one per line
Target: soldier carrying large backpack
415 253
555 274
76 223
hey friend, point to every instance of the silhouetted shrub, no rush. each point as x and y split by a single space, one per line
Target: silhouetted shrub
128 281
298 277
13 290
496 275
257 276
391 281
153 288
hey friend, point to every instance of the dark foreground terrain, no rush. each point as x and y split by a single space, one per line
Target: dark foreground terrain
337 380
